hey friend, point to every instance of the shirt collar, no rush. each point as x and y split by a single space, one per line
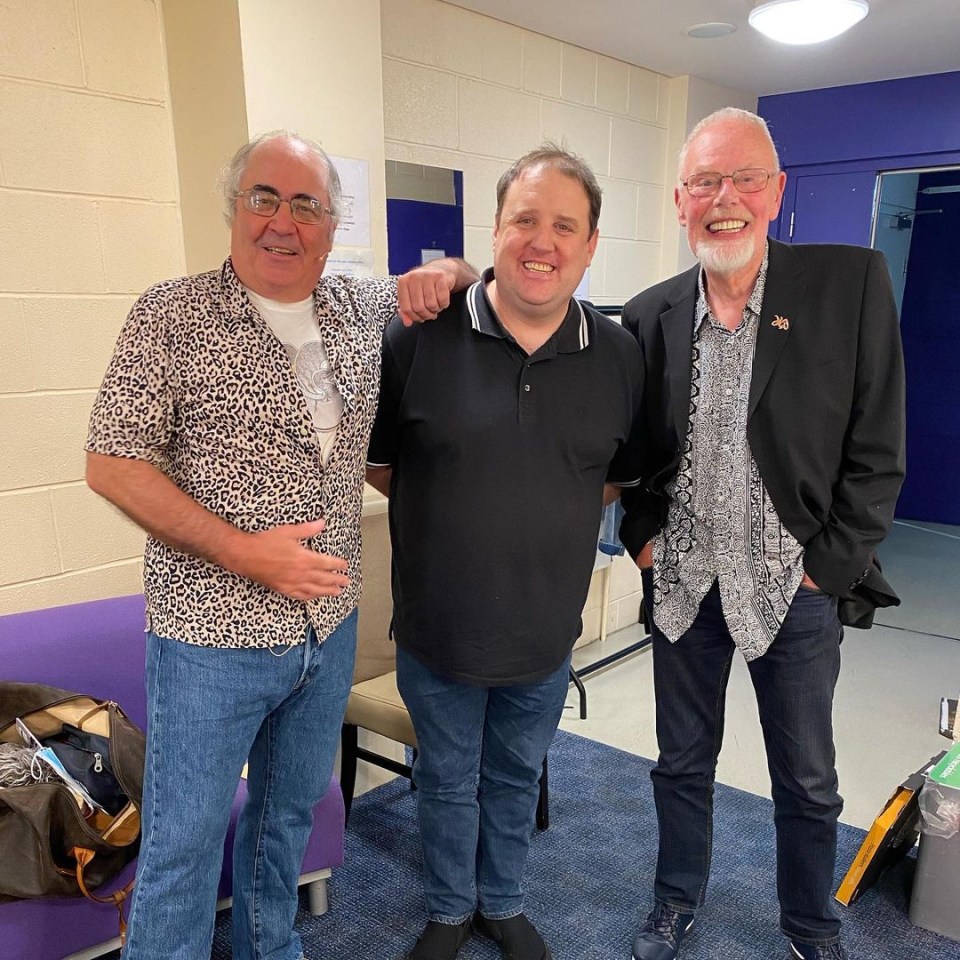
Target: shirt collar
754 301
571 336
235 305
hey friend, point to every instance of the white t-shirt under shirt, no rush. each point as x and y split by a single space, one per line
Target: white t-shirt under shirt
295 326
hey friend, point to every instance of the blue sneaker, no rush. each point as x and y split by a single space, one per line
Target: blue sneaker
660 937
817 951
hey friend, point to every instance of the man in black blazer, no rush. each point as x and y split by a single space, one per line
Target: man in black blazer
773 431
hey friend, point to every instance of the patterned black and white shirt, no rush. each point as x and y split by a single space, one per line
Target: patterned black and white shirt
721 523
199 387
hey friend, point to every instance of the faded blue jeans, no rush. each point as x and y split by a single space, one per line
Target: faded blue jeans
480 754
794 683
208 711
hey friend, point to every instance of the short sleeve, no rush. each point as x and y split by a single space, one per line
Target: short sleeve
132 415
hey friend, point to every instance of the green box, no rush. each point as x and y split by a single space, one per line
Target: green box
947 771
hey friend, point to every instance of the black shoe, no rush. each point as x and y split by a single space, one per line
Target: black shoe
440 941
659 938
516 936
817 951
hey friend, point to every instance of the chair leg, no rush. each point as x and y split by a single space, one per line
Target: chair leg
543 801
582 690
348 766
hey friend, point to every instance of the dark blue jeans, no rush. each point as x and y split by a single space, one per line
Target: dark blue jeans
481 751
794 683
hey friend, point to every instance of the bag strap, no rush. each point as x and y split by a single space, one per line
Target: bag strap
83 856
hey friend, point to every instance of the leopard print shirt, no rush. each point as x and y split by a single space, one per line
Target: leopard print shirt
199 387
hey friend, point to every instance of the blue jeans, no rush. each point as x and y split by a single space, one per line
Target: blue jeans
794 683
209 711
480 753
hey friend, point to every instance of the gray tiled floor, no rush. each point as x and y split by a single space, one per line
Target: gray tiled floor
887 700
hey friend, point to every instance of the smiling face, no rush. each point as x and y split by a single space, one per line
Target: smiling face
276 256
727 232
541 245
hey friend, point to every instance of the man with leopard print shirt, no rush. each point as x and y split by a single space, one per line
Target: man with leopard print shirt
232 425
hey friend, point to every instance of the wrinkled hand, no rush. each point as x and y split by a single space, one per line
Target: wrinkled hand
645 556
425 291
278 559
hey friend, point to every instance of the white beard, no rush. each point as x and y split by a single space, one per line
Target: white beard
724 258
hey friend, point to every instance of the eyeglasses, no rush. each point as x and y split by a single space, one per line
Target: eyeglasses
265 203
748 180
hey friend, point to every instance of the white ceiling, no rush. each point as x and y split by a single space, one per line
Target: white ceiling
899 38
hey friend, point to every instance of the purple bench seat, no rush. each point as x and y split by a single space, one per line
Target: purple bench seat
97 648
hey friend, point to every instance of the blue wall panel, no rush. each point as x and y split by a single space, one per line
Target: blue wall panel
915 115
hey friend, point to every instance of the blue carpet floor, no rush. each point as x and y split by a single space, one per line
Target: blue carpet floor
590 875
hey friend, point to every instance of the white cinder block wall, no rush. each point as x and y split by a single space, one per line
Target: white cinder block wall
470 93
90 219
90 197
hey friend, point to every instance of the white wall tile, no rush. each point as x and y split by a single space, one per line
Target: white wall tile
424 155
579 75
142 244
542 64
501 52
484 108
650 212
480 178
17 374
72 339
115 580
419 105
406 28
40 41
598 268
618 214
49 243
42 437
584 131
29 540
77 143
90 530
478 247
613 85
122 47
431 33
624 577
644 95
630 268
637 151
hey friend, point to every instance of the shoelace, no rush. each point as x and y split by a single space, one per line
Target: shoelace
666 921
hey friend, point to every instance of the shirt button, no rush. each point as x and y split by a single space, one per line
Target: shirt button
728 392
526 387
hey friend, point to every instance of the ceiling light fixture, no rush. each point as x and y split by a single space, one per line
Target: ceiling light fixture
806 21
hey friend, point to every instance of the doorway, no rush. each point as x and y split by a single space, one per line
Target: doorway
916 223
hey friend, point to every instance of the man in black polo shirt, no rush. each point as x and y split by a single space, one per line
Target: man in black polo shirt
496 432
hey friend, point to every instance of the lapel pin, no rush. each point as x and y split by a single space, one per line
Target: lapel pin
781 323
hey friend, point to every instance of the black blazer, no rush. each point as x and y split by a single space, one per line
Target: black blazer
826 419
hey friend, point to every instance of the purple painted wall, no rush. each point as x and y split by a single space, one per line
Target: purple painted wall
826 137
891 118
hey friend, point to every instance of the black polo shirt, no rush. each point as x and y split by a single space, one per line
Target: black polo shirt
499 461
